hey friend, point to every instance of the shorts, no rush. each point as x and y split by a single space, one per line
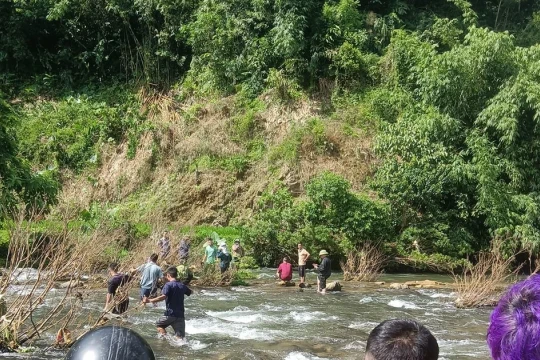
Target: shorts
322 281
178 324
149 293
302 270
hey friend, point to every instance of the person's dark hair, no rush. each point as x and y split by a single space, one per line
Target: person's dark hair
286 258
173 272
113 267
153 257
401 340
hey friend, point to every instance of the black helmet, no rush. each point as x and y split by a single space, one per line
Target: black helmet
111 343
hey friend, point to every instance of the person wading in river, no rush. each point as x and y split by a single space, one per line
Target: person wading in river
150 275
284 271
117 280
303 256
173 293
324 271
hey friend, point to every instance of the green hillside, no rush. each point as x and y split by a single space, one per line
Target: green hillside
413 125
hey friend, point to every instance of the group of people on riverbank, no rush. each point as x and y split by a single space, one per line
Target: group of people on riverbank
211 253
221 253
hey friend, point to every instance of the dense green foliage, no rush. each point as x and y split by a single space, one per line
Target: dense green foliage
68 134
460 161
17 181
332 217
231 42
449 89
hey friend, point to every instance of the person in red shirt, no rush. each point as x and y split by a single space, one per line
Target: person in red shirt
284 270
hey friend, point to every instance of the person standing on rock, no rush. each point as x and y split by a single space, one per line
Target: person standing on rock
284 271
164 245
303 256
323 271
150 275
173 293
117 280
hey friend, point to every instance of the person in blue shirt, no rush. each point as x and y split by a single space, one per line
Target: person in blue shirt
150 275
173 293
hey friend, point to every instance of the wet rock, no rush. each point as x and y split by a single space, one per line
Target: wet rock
286 283
379 283
426 284
70 284
333 286
304 285
398 286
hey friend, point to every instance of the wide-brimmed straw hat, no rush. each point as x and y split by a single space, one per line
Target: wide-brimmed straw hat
323 252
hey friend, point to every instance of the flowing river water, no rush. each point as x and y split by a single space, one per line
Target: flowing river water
265 321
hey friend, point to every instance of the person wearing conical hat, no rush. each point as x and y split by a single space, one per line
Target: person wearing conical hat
323 271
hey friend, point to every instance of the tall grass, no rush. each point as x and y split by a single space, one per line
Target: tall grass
482 284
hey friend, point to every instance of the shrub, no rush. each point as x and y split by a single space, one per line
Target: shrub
248 262
480 284
364 264
66 134
244 274
332 217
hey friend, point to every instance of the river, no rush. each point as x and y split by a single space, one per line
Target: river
269 322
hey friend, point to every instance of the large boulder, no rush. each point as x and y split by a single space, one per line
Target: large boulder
333 286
